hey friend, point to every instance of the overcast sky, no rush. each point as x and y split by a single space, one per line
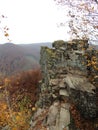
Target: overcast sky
32 21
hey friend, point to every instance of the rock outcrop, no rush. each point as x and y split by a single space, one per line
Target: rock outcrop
69 87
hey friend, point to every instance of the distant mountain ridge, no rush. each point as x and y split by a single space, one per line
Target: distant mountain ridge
19 57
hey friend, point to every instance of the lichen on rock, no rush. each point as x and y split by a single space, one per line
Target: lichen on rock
66 81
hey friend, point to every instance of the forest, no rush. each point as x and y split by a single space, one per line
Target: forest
18 95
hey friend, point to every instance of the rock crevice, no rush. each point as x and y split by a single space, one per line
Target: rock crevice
66 81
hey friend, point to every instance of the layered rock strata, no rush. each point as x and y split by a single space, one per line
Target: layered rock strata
65 81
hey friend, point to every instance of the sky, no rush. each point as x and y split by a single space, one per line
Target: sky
32 21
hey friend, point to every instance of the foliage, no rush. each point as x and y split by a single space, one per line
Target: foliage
25 86
4 29
15 120
91 57
82 18
18 100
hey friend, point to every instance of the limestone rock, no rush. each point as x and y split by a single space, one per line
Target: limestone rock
64 92
52 115
79 83
65 73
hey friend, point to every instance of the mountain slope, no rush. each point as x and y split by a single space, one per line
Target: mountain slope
15 58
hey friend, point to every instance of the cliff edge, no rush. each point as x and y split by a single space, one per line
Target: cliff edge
68 91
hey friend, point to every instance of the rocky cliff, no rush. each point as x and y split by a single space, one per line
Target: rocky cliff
68 92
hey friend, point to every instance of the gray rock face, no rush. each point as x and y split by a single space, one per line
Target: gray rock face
64 70
52 114
59 116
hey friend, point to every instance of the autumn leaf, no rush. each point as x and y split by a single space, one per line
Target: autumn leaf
6 34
